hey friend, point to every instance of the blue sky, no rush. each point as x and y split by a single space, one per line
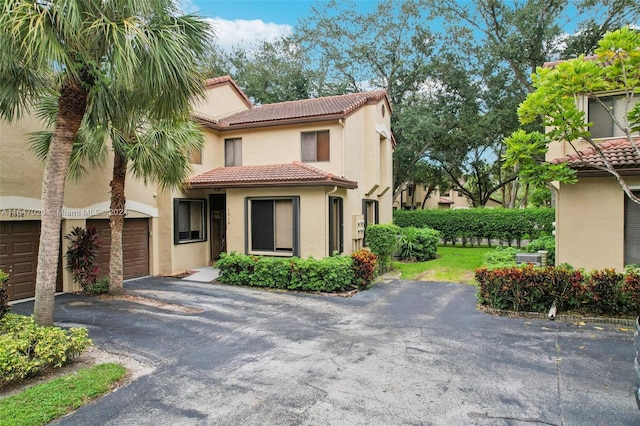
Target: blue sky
242 21
239 22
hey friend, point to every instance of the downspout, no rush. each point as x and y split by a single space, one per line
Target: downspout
344 148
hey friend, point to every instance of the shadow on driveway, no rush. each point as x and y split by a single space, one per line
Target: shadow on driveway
399 353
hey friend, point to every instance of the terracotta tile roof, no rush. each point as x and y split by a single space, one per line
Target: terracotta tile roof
618 151
443 200
338 106
291 174
553 64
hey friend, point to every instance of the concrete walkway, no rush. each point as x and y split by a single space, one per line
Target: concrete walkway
400 353
205 274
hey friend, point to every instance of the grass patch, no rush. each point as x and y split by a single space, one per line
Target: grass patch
45 402
456 264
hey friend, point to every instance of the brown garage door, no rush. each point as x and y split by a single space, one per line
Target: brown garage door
19 241
135 246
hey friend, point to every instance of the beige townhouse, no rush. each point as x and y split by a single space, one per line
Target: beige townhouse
299 178
597 225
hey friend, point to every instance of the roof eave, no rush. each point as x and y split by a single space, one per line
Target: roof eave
300 183
282 122
593 172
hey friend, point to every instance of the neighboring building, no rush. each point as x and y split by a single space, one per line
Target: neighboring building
597 226
412 197
300 178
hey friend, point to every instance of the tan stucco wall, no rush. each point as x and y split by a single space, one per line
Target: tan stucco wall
177 258
590 223
313 217
282 144
220 101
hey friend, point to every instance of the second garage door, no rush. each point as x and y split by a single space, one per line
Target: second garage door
135 246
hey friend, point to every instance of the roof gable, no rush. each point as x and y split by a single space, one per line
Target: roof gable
226 79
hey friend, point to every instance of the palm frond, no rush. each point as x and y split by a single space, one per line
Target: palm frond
89 150
161 154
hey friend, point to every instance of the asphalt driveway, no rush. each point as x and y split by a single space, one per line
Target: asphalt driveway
400 353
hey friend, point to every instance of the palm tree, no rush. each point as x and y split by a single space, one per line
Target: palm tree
154 150
73 47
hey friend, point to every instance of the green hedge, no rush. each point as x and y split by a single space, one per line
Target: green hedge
27 348
475 225
335 273
383 241
531 289
418 244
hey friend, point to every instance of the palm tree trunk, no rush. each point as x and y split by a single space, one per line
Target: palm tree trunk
71 108
118 200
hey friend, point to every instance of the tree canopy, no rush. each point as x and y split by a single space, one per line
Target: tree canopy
455 72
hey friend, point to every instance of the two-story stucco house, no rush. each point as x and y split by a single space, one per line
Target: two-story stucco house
300 178
597 225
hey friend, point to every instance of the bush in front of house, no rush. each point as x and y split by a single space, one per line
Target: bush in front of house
473 226
331 274
27 349
545 242
82 253
418 244
100 286
383 242
4 297
532 289
363 267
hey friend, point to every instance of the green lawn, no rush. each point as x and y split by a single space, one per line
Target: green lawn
45 402
456 264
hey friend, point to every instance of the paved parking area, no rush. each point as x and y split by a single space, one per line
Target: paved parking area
400 353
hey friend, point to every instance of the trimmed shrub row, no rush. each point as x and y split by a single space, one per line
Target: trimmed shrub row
331 274
475 225
27 348
531 289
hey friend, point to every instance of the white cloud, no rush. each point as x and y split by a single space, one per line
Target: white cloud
243 33
186 6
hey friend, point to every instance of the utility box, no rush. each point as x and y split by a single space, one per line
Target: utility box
357 231
533 258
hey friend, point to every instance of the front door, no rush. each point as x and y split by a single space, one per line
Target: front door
218 221
335 226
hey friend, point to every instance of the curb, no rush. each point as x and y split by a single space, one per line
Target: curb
629 322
